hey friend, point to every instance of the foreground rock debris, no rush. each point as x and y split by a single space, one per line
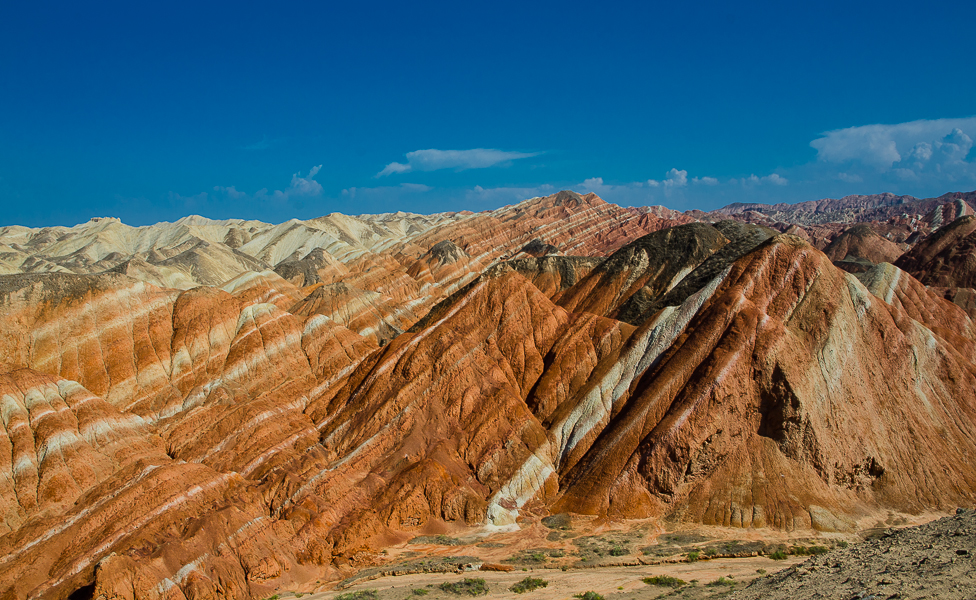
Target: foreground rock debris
223 409
935 560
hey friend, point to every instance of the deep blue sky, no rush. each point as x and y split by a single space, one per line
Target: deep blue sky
151 111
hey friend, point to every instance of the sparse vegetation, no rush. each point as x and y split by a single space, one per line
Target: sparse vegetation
665 581
711 551
528 584
589 596
440 540
420 592
467 586
778 555
617 551
359 595
761 571
812 550
842 544
721 582
693 556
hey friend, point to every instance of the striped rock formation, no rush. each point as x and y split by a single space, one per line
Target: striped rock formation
364 379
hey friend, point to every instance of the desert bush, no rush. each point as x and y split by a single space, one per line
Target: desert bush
528 584
721 582
617 551
468 586
665 581
589 596
693 556
359 595
778 555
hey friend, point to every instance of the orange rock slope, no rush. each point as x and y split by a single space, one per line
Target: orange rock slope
376 377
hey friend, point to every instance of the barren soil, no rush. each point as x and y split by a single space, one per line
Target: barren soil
934 560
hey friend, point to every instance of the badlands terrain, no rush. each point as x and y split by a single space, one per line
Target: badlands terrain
238 410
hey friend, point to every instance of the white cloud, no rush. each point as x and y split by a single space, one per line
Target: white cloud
230 192
434 160
754 180
302 186
416 187
672 179
676 178
299 187
705 181
392 168
882 146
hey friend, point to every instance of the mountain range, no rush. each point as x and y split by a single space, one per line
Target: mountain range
217 409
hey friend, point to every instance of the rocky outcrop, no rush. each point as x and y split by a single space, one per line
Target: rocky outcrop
946 258
796 344
862 243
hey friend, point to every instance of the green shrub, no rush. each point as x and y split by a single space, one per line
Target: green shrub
617 551
665 581
359 595
468 586
589 596
778 555
694 556
528 584
817 550
721 581
711 551
843 544
420 592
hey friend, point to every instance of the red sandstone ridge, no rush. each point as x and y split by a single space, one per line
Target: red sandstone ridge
344 384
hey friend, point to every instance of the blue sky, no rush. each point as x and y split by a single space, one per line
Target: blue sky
151 111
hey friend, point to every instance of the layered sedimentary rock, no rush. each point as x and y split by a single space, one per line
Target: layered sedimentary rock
946 258
356 380
862 242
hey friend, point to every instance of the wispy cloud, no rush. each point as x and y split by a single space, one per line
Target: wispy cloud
300 187
303 186
460 160
263 144
388 192
754 180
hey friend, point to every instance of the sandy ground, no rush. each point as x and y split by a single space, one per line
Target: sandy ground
617 583
576 554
